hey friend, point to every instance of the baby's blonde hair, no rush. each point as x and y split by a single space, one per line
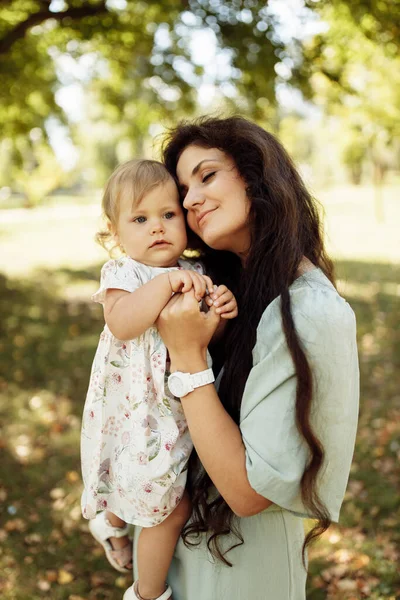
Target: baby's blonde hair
136 178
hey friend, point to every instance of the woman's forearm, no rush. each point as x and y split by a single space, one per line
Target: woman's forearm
218 442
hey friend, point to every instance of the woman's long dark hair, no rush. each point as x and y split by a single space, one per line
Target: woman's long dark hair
285 227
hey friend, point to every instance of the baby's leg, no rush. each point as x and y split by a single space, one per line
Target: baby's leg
156 547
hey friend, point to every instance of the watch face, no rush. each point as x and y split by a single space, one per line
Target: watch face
176 386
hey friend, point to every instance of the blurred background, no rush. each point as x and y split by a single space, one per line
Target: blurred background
88 84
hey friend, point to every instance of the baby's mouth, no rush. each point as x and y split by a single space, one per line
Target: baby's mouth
160 243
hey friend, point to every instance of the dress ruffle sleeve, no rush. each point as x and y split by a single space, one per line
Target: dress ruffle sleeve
120 274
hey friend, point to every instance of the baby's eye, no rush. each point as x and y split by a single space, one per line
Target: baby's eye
208 176
169 215
139 220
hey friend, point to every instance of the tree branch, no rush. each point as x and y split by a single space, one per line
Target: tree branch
72 13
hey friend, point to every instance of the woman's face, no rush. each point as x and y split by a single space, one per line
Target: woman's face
215 197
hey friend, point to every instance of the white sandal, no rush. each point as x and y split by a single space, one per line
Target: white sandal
101 529
132 593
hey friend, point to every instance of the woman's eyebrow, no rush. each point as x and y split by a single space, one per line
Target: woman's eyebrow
197 167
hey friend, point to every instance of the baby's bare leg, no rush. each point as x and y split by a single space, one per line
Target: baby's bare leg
156 547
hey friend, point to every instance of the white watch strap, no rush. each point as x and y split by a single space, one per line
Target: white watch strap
202 378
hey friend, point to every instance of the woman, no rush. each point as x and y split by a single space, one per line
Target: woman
275 442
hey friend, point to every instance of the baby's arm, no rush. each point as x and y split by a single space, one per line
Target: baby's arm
129 314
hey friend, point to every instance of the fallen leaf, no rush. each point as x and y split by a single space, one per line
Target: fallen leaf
72 477
33 538
64 577
51 575
122 582
15 525
97 579
56 493
346 585
44 586
362 560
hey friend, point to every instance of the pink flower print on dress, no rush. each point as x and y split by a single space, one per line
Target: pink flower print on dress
116 377
89 512
126 438
151 422
142 459
101 504
148 487
104 471
178 492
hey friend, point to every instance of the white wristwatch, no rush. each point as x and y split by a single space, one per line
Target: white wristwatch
180 384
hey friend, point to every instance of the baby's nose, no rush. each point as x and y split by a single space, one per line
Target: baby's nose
157 227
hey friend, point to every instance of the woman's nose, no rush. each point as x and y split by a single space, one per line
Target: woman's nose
192 199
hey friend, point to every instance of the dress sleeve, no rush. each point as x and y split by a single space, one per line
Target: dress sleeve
120 274
276 454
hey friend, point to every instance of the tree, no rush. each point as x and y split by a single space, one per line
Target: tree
145 47
355 77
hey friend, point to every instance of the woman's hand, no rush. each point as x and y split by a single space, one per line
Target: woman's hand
186 331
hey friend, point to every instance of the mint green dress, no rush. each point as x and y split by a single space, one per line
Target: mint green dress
268 565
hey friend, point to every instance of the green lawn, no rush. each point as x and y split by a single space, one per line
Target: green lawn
48 334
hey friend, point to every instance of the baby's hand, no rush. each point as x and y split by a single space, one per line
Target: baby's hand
185 280
224 302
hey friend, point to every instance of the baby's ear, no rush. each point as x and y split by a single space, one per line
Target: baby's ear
112 232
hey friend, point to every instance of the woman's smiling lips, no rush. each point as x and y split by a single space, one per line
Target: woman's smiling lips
201 216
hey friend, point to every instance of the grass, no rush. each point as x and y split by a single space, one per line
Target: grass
48 334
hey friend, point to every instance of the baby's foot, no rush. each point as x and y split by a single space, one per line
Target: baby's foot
115 541
122 551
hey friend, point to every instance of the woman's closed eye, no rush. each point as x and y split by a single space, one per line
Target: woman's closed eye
208 176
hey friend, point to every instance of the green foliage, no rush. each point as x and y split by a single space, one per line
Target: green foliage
357 80
143 50
378 20
143 70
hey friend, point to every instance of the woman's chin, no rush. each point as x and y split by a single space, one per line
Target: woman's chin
215 242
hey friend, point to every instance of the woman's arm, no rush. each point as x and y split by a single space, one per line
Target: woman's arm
216 437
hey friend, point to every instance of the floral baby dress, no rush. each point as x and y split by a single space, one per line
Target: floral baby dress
135 442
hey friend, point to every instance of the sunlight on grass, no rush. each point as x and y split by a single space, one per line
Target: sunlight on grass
63 234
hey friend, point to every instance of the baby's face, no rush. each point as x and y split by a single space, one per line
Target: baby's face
153 231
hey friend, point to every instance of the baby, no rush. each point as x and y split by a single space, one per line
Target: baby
135 442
